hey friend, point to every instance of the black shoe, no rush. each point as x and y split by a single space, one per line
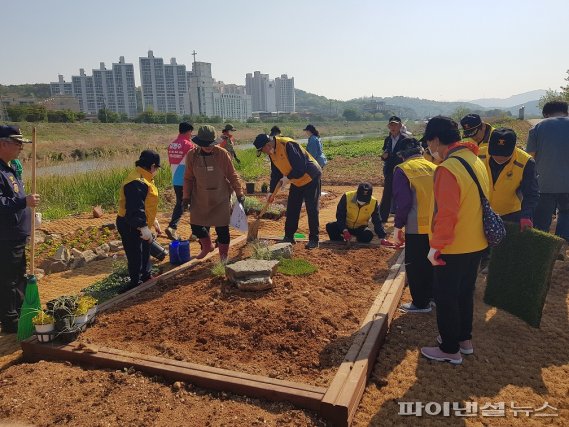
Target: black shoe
312 244
289 240
10 328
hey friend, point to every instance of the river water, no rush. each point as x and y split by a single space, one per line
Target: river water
127 160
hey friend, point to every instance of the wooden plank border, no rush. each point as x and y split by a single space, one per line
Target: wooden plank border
337 403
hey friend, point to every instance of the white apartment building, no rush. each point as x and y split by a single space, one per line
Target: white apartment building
285 99
164 86
232 105
104 82
125 88
61 87
270 95
84 91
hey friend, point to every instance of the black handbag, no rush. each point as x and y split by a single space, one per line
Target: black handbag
493 225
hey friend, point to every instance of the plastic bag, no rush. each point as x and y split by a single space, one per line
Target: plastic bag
239 218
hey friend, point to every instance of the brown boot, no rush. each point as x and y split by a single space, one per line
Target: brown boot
207 247
223 251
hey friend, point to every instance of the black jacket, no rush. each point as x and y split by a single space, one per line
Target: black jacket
393 159
14 216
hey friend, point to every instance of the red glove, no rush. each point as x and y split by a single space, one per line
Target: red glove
346 235
525 223
435 257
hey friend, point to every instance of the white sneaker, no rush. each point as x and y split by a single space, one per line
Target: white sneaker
465 346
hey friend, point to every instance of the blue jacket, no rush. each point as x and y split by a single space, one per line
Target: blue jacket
14 216
314 147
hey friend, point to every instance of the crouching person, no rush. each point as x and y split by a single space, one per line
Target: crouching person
209 180
353 213
138 203
413 196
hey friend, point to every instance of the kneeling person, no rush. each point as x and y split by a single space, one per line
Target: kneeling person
353 213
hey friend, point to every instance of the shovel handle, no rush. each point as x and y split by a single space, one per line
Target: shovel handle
275 192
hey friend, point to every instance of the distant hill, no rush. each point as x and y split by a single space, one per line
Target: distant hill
531 109
39 90
514 100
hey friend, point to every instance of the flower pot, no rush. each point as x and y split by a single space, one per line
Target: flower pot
80 320
250 186
91 313
44 332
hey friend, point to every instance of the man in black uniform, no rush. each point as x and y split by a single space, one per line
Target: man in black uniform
14 229
390 159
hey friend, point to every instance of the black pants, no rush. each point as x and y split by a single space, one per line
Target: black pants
454 295
363 234
178 210
12 282
548 204
310 195
419 269
137 252
386 197
201 231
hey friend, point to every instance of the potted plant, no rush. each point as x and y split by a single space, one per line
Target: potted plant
63 310
80 315
44 325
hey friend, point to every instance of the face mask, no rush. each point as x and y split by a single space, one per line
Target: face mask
436 155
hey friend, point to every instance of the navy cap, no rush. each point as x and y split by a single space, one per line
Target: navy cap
365 190
12 132
148 158
438 126
394 119
502 142
470 124
260 141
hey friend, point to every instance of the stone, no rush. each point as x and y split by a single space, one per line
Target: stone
97 212
76 253
280 250
89 255
77 262
101 254
53 238
104 247
115 245
62 254
109 226
57 267
253 284
39 236
250 267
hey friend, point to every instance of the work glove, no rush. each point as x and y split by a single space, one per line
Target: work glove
157 227
387 243
435 257
145 233
346 235
285 181
398 236
525 223
38 219
185 204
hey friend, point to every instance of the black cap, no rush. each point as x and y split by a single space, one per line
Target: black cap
148 158
502 142
260 141
365 190
440 126
408 147
13 133
470 124
275 130
394 119
228 128
185 127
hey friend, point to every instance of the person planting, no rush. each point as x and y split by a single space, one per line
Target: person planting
138 204
290 162
209 181
413 197
354 211
14 229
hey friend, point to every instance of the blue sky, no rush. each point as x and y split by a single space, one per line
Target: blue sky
443 50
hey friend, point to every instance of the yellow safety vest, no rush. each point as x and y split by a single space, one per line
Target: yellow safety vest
420 174
356 215
468 232
151 201
280 160
505 196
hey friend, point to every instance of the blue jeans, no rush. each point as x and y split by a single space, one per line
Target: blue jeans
548 204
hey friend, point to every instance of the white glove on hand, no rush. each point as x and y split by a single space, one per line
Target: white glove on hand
398 236
285 181
145 233
434 256
38 219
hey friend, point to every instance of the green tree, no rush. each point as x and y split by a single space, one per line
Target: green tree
459 113
60 116
351 115
172 118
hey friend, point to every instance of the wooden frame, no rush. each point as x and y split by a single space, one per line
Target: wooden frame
337 403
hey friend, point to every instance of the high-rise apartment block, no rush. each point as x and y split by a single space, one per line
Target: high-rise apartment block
201 89
270 95
164 86
113 89
61 87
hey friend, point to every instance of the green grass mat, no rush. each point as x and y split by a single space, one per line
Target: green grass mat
519 273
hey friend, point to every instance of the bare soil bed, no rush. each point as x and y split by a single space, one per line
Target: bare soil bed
298 331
